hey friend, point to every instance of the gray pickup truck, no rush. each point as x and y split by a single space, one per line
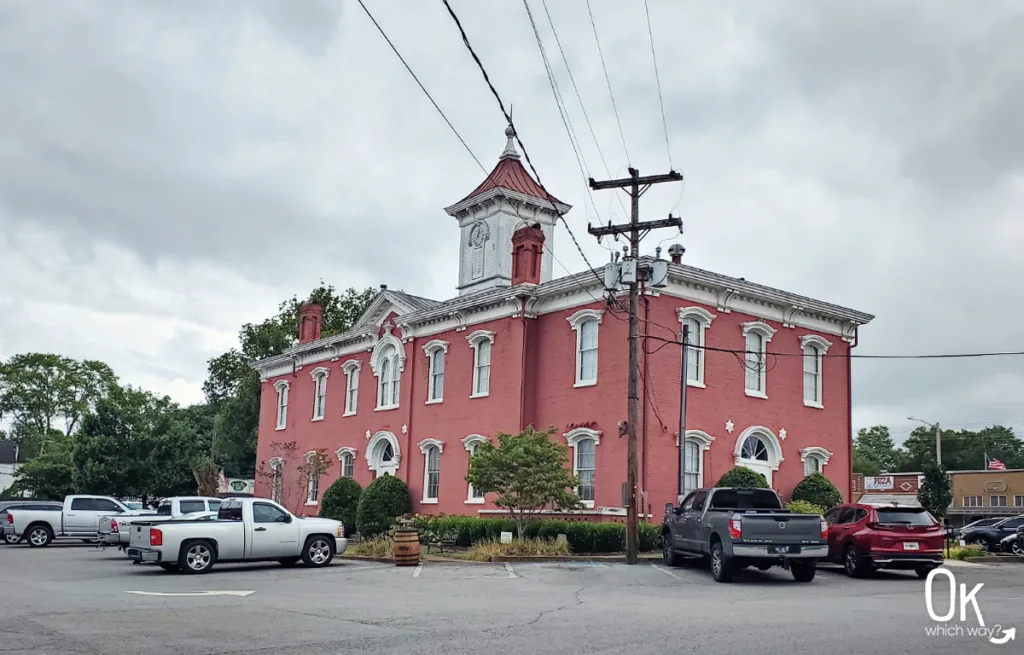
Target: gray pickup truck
737 528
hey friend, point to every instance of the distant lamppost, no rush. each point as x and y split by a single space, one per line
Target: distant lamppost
938 437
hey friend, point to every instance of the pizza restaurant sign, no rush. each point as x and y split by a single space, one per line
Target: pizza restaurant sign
878 483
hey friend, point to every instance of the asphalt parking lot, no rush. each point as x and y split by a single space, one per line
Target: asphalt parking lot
77 599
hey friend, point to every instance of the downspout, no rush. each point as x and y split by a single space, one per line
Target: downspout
523 367
849 411
408 434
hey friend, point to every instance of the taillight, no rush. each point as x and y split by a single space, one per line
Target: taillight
113 525
735 527
10 518
156 537
824 529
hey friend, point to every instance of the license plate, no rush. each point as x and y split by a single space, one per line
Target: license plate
783 550
910 545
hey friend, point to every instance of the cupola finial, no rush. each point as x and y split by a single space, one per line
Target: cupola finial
510 146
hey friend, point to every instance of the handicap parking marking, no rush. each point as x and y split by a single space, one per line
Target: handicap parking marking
511 571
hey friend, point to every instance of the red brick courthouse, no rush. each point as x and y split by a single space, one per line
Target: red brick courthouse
418 384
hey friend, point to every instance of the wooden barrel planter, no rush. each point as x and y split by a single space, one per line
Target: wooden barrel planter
407 547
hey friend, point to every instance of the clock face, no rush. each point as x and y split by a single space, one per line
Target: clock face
478 235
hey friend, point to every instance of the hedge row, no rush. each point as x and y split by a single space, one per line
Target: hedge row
583 536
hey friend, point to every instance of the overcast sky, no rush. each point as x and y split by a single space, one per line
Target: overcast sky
171 170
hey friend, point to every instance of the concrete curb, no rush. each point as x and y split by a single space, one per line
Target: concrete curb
569 558
996 559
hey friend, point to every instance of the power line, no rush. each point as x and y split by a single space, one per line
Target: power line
422 88
657 78
608 80
526 155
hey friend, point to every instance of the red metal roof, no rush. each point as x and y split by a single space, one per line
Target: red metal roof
509 174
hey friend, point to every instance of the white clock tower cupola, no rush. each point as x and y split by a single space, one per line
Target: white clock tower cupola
506 201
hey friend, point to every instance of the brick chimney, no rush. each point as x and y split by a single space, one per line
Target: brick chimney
310 315
527 252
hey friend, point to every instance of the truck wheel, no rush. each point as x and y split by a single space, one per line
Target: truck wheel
11 540
196 557
318 551
39 535
671 557
803 570
721 564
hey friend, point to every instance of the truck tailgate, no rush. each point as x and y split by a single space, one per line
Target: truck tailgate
140 536
780 528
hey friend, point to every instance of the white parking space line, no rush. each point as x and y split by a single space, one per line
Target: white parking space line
665 571
416 571
511 571
191 593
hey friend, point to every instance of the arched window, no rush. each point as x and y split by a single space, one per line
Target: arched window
319 392
754 448
815 458
388 379
584 462
585 323
282 403
383 454
351 369
758 449
481 342
276 478
696 320
473 443
697 443
435 351
431 449
814 348
347 460
756 336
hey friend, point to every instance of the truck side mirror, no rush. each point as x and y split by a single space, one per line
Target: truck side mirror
669 508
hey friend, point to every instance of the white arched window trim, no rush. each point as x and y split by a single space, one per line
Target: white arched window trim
814 348
703 319
319 375
577 321
703 442
480 389
282 387
373 455
435 395
276 478
391 371
756 369
771 442
574 437
815 455
472 442
351 369
425 447
346 453
312 484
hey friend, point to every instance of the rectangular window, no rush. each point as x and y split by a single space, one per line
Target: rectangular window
320 396
812 375
313 492
474 493
189 506
347 465
482 375
997 501
973 501
587 352
395 388
433 482
437 375
351 391
691 477
755 369
282 407
585 465
1018 501
694 354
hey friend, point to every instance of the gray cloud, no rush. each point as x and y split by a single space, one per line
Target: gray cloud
181 169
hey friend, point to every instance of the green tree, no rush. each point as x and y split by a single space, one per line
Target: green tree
50 475
527 471
42 392
341 501
233 387
963 449
743 478
385 499
874 451
817 490
935 493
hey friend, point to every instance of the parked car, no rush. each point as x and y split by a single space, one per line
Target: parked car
116 530
246 529
29 505
865 538
990 537
78 518
980 523
1014 542
743 527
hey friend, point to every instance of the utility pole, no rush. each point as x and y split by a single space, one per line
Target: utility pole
636 186
682 418
938 437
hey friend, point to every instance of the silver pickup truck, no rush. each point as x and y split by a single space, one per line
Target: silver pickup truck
246 529
116 530
78 518
736 528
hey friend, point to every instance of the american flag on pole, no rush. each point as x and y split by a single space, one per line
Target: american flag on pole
995 465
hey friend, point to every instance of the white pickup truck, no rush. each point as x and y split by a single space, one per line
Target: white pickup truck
116 530
246 529
78 519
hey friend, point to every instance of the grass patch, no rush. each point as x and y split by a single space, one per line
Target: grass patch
965 552
381 546
483 551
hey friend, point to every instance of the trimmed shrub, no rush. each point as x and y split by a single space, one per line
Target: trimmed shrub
742 478
818 490
380 503
341 501
804 507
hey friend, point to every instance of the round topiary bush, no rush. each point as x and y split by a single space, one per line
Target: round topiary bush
819 490
386 498
340 502
804 507
742 478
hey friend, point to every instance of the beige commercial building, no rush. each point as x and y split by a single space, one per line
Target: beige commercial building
985 494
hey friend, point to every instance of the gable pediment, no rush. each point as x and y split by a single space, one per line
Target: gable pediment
385 304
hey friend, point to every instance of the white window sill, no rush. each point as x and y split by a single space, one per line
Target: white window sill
811 403
475 501
312 502
480 395
756 394
352 413
585 383
385 408
317 418
428 501
280 427
434 401
697 384
589 504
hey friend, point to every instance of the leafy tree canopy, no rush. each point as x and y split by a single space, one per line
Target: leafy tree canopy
935 494
874 451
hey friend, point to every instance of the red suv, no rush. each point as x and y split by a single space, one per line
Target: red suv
867 537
